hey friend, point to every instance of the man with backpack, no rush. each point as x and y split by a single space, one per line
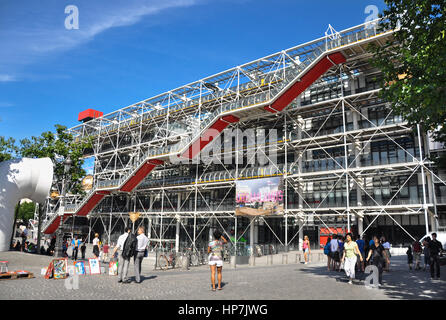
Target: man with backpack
127 247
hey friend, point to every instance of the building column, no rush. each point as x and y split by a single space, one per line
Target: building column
251 234
359 183
177 226
301 234
360 221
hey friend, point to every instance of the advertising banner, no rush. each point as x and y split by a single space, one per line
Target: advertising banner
259 197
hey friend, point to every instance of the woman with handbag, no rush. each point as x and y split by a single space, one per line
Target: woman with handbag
379 257
215 250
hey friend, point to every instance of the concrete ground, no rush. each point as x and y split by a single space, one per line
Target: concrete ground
260 282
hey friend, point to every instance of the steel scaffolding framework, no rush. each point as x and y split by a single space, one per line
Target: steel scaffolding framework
344 156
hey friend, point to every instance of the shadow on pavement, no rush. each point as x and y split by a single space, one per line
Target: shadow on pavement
399 283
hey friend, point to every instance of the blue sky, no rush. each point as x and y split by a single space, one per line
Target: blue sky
127 51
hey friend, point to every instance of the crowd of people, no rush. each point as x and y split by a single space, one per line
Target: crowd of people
353 254
430 248
348 253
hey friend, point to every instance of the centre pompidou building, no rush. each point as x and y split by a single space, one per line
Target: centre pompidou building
347 161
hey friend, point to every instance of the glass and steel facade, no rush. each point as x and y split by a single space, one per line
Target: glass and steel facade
347 160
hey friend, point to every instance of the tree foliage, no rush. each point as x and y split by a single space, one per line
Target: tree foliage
414 64
26 211
58 146
8 148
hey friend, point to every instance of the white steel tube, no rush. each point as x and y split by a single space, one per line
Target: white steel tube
20 179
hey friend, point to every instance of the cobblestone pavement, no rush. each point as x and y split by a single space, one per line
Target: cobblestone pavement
290 281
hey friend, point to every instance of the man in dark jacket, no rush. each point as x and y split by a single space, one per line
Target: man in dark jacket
434 251
127 247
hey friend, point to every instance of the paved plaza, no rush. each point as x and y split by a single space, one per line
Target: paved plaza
277 281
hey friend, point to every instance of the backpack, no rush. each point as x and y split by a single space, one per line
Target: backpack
327 248
129 249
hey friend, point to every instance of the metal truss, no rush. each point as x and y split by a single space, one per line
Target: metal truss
337 122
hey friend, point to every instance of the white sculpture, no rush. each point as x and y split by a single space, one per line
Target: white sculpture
19 179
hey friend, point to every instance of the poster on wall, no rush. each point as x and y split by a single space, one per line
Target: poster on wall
95 268
79 268
259 197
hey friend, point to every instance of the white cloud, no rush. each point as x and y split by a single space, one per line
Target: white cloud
29 35
7 78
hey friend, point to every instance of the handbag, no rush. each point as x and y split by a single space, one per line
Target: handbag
146 253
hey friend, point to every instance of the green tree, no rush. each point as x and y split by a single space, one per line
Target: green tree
7 148
58 146
26 211
414 63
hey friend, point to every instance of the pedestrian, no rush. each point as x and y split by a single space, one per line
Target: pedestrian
215 250
96 246
126 245
341 240
306 248
378 255
140 252
435 248
409 257
361 243
64 248
386 246
349 257
105 249
327 253
426 252
416 248
75 248
334 251
83 248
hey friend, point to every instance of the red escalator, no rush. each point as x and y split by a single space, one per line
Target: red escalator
139 175
86 207
208 135
213 131
55 224
305 81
